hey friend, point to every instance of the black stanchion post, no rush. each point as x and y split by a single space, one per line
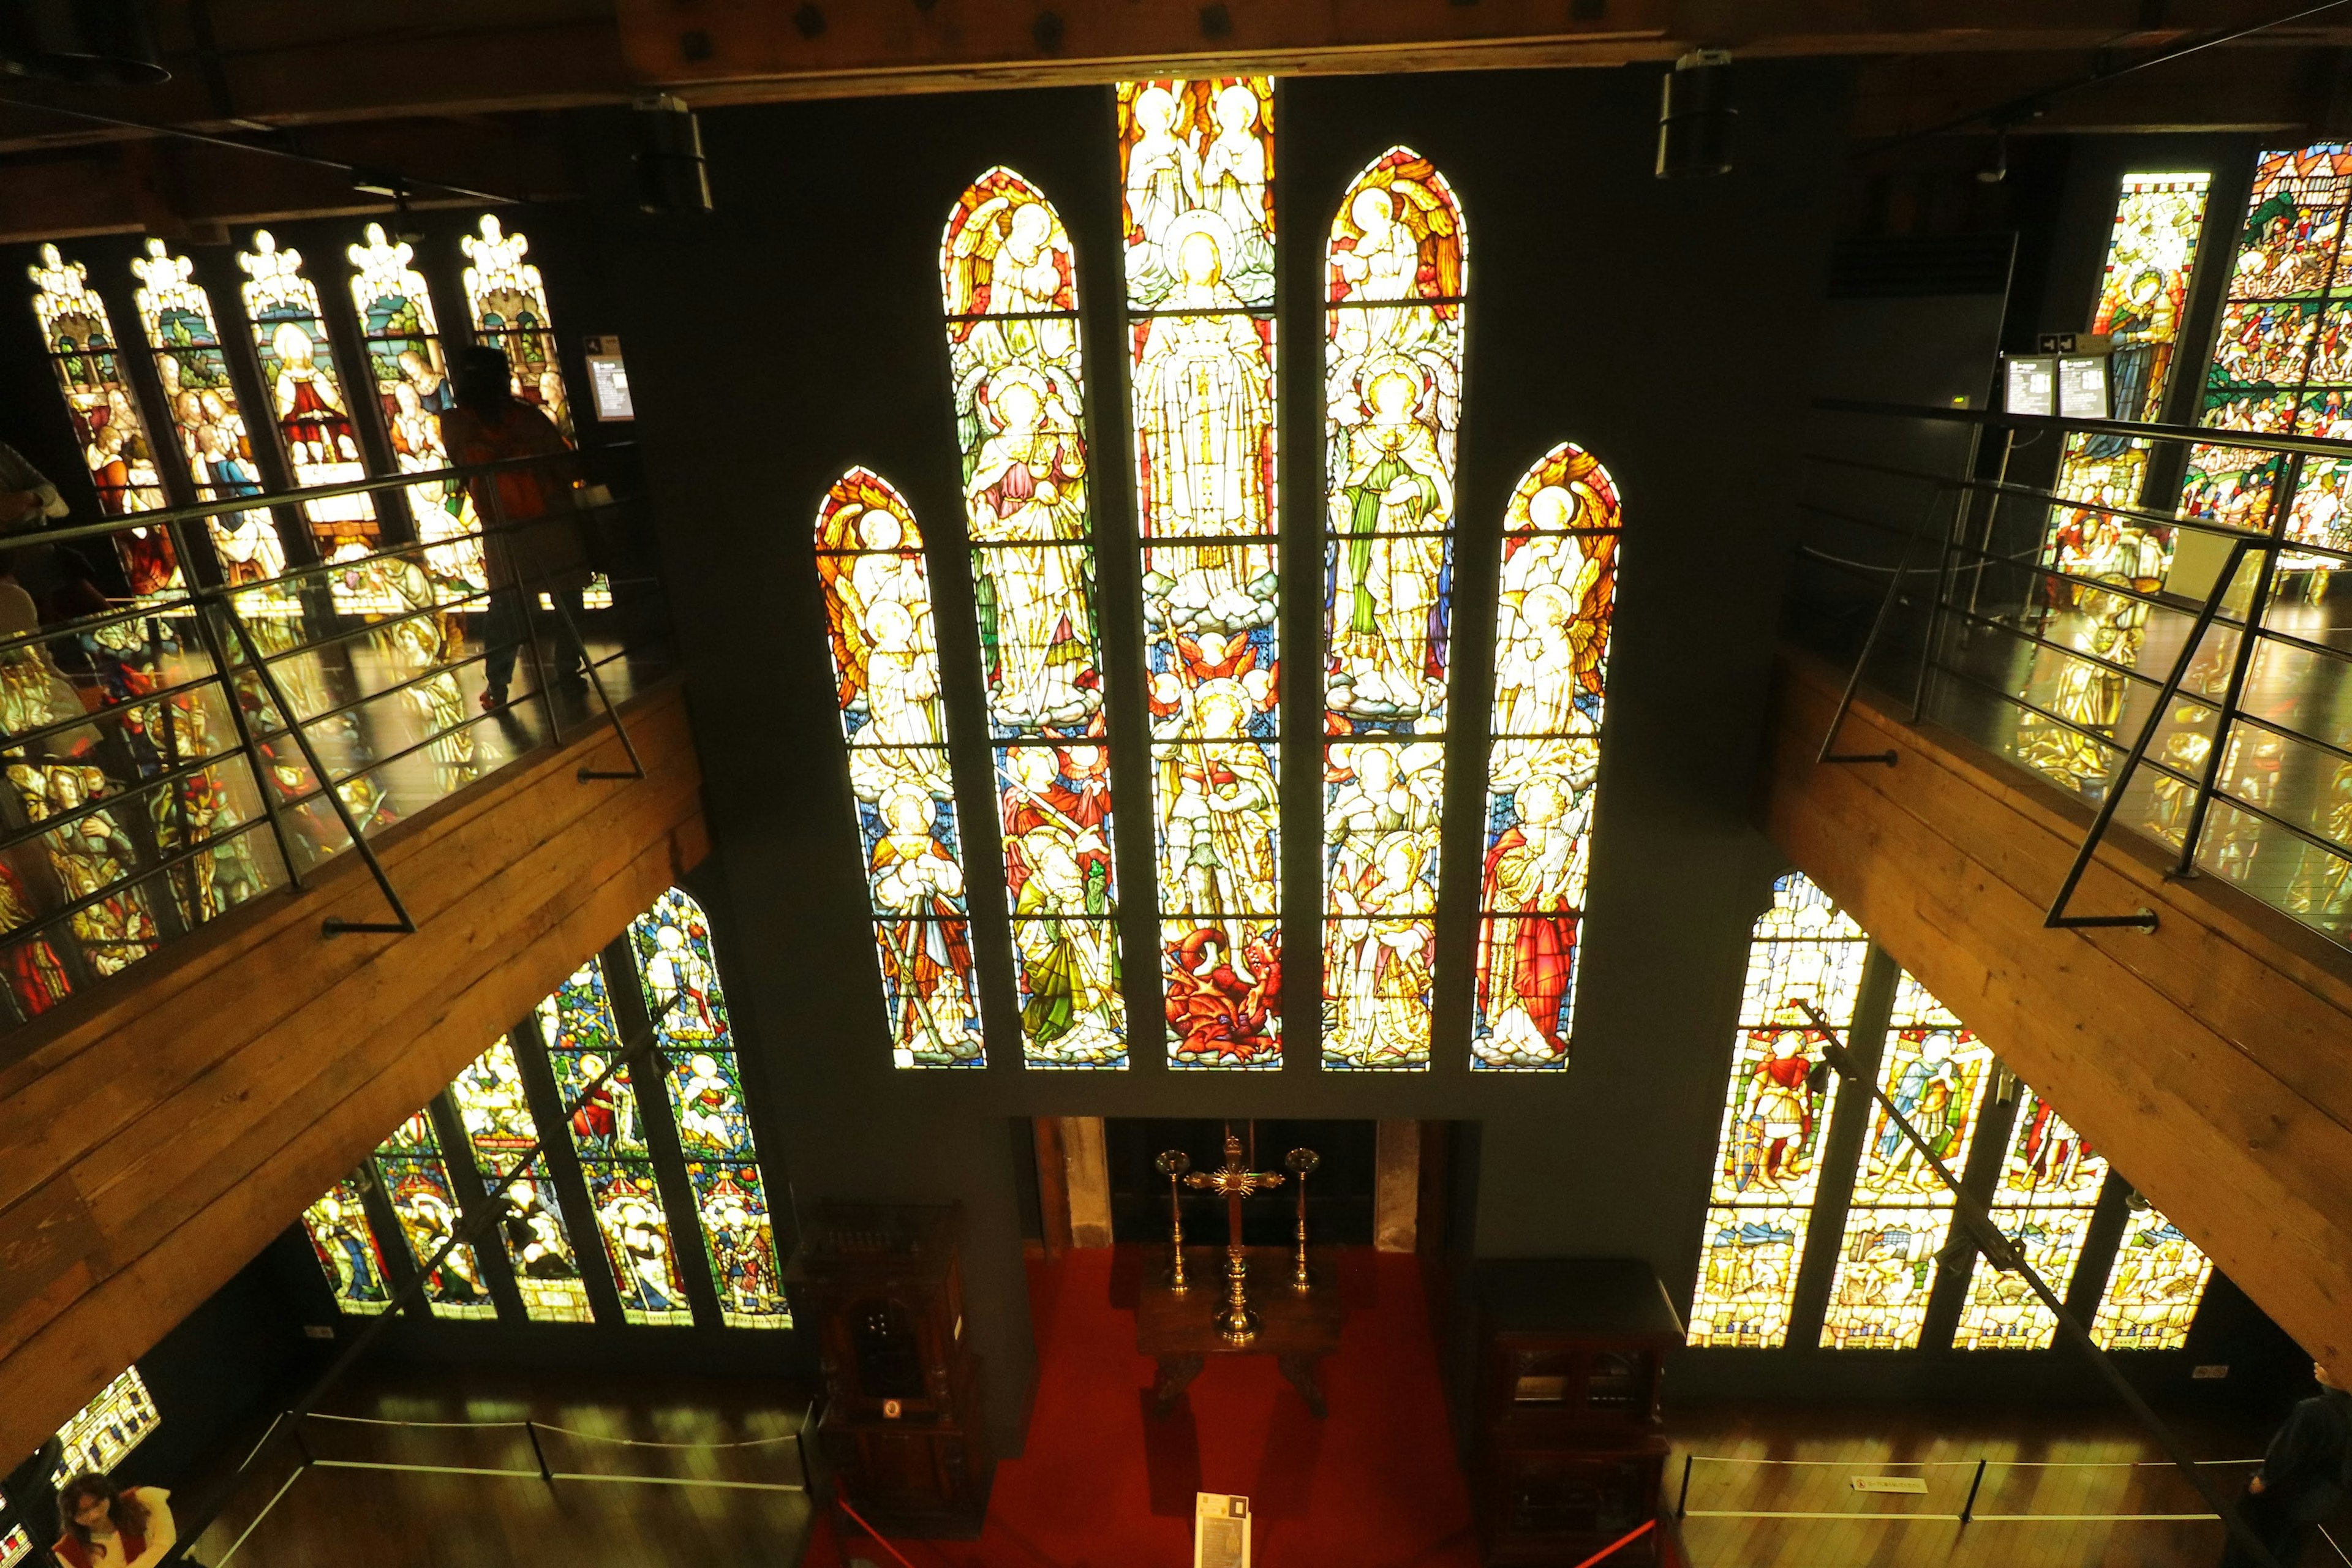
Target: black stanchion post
530 1429
1682 1501
1969 1508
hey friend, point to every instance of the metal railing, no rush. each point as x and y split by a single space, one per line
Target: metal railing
223 734
2153 663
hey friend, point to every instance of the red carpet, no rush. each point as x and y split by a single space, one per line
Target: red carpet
1375 1486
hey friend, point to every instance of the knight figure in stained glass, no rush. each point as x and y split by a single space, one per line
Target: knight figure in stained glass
1196 162
1010 294
887 683
1556 605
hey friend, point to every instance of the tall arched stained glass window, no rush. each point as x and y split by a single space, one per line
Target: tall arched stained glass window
416 1182
1396 279
2043 1200
338 1227
1011 294
412 380
84 354
491 1104
508 298
1776 1117
1937 1074
1196 163
608 1133
307 395
2282 355
2153 1288
886 662
1557 604
677 975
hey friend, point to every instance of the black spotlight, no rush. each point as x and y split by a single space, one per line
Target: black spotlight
671 175
91 43
1694 116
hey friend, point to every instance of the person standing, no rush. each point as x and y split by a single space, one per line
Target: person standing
2302 1478
107 1526
534 543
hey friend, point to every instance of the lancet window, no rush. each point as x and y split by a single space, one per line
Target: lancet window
1012 316
2043 1201
305 388
424 1199
2152 1288
1397 282
337 1224
87 359
101 1432
494 1108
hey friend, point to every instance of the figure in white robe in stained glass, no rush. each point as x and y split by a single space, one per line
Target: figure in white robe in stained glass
1027 486
918 887
1163 182
1386 588
1222 808
1205 408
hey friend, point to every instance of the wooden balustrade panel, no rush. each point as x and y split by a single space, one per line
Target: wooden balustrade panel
156 1133
2211 1060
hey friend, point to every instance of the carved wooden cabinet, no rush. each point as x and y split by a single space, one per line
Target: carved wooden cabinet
1565 1450
882 1288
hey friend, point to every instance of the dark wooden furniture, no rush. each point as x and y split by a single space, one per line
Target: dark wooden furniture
1297 1330
1566 1452
881 1288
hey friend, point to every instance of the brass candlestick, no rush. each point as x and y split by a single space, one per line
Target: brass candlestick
1235 1319
1301 1162
1173 1164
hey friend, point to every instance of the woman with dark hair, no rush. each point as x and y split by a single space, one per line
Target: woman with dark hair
532 542
110 1527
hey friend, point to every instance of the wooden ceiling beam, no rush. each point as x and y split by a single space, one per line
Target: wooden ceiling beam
2299 92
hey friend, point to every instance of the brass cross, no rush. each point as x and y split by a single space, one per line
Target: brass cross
1231 1182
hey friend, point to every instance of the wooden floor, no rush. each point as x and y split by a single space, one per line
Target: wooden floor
2044 1463
442 1519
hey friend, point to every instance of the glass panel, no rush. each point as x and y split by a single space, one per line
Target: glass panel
306 394
678 977
2153 1288
490 1102
15 1546
338 1227
1392 363
1776 1117
416 1182
886 662
2049 1186
1010 294
1556 608
1937 1073
107 1428
1196 166
412 380
106 422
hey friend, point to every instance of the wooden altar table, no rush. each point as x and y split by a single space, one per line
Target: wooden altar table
1296 1330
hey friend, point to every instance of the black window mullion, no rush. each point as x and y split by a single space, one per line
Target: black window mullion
474 1203
1956 1263
1849 1125
2101 1241
546 1101
391 1241
688 1248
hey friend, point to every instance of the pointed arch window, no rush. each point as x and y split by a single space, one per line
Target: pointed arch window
2043 1200
608 1134
1396 270
410 372
85 356
885 661
508 298
347 1255
677 975
492 1107
1936 1072
1196 168
305 387
416 1180
1556 607
1776 1118
1011 291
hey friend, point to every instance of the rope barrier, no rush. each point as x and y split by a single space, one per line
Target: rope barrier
1865 1463
378 1421
552 1427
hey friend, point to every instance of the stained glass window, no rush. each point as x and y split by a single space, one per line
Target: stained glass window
2153 1288
91 855
15 1546
679 976
338 1227
886 660
1937 1074
1196 163
1013 352
1556 605
306 394
416 1180
499 1128
83 351
609 1135
412 381
2283 354
2043 1200
2143 299
1776 1117
108 1427
1396 281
